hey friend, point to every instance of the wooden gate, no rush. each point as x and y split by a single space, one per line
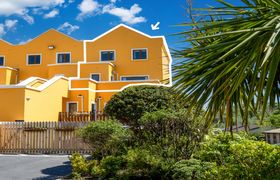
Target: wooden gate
42 138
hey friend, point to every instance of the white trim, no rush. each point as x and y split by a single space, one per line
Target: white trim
170 61
30 80
46 33
6 67
4 60
35 54
147 52
119 90
62 64
115 55
95 74
70 58
134 76
146 35
100 62
50 82
118 26
67 105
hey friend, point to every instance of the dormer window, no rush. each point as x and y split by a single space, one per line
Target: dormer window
139 54
107 55
63 58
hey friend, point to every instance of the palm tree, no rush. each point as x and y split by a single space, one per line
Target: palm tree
231 64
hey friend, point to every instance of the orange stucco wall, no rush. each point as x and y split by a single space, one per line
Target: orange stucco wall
16 55
34 105
123 40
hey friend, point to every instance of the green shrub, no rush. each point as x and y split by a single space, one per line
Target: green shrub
171 134
240 157
106 137
274 118
129 105
80 166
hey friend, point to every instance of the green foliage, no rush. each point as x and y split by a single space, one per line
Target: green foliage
106 137
80 166
231 59
194 169
224 157
172 134
275 118
129 105
150 152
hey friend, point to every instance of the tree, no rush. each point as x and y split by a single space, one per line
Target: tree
129 105
232 63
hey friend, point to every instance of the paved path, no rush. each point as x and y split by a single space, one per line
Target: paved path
41 167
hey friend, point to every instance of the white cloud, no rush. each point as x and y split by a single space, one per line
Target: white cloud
88 8
51 14
68 28
10 24
7 26
21 7
2 30
24 42
128 16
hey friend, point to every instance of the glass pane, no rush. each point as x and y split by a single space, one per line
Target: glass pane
134 78
63 58
107 56
140 54
34 59
95 77
1 61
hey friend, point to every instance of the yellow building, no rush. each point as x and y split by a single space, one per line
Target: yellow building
55 73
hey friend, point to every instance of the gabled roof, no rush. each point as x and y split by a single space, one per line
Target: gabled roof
49 31
143 34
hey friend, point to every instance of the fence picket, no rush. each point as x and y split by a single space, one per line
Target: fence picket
42 137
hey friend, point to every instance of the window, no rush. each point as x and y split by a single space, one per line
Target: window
139 54
95 77
63 58
34 59
134 78
72 107
107 55
2 60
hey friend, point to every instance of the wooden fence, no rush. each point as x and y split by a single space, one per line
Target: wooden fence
82 116
42 138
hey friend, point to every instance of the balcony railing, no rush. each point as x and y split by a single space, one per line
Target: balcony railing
82 116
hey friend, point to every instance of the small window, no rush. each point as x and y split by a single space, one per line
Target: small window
63 58
139 54
34 59
107 55
72 107
95 77
134 78
2 59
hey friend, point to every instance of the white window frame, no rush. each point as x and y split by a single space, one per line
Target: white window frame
35 54
139 59
95 74
115 55
4 60
63 53
135 76
67 105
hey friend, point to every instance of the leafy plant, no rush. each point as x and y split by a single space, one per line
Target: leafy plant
106 137
232 63
129 105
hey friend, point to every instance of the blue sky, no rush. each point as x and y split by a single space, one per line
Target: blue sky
22 20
